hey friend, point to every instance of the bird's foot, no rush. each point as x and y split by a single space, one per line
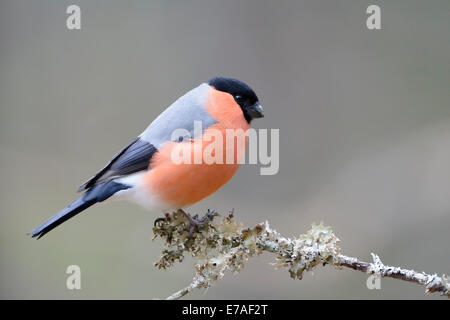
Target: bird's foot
166 218
194 223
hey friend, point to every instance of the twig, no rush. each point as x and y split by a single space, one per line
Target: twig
432 283
181 293
221 245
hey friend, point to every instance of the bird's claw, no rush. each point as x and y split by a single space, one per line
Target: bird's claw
194 222
166 218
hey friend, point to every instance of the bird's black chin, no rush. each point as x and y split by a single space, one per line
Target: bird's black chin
253 112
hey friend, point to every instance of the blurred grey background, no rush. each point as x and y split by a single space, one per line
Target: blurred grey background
364 119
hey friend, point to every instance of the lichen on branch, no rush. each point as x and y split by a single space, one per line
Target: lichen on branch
220 244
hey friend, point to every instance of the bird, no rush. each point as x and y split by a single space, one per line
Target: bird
144 170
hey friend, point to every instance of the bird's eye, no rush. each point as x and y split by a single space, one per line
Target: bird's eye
239 99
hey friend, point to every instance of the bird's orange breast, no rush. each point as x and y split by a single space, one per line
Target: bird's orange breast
183 184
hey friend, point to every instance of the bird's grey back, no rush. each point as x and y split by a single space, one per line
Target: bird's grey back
180 115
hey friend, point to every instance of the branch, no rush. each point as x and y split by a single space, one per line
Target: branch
221 245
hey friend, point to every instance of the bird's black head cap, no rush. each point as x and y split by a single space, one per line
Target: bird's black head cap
242 94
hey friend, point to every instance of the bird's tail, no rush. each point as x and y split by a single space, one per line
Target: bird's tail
96 194
65 214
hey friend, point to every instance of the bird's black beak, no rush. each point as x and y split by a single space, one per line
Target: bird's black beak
255 111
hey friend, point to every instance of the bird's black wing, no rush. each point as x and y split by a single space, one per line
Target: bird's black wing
133 158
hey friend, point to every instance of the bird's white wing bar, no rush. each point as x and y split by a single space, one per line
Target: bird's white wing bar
131 159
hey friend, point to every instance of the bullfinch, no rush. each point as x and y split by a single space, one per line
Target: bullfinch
145 171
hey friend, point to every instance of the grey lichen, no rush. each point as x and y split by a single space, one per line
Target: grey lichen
220 244
318 246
